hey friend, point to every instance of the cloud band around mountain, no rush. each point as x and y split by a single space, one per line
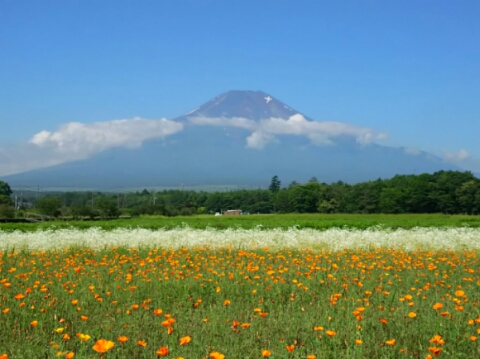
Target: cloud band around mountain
264 131
82 140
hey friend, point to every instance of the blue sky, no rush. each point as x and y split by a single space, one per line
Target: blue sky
407 68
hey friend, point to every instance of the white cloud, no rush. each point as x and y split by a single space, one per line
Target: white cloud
412 150
83 140
455 157
320 133
75 141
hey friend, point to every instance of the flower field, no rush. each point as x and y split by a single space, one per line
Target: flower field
240 293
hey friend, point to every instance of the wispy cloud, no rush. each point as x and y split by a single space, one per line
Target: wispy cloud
75 141
455 157
264 131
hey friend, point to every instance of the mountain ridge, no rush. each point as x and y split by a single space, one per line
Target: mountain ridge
240 138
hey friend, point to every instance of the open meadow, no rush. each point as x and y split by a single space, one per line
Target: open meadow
242 292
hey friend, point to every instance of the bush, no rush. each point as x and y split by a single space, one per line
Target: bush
7 211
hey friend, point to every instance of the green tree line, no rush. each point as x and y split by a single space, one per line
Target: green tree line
448 192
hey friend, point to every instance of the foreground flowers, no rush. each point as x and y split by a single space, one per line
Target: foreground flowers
218 303
103 346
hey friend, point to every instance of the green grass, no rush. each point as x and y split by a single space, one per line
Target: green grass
267 221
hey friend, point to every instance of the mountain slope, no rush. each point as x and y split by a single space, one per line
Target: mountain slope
217 147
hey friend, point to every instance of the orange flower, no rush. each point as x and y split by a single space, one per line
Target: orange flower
437 339
34 323
185 340
84 317
169 330
391 342
74 302
435 351
473 338
103 346
142 343
216 355
311 356
318 328
331 333
263 315
266 353
245 325
460 293
157 312
134 306
412 314
19 296
226 302
122 339
162 351
3 356
290 348
437 306
383 321
70 355
358 341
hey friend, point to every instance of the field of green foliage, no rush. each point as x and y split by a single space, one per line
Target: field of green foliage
265 221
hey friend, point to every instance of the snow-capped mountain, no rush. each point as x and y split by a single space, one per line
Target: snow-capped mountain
240 138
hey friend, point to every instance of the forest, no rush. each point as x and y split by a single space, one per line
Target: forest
448 192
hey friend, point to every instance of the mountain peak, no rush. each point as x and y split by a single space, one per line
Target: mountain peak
252 105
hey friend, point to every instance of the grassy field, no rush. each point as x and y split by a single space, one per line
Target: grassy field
121 302
333 287
267 221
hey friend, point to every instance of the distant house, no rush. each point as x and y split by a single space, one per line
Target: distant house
232 212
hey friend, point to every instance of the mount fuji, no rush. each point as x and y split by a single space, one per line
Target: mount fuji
240 138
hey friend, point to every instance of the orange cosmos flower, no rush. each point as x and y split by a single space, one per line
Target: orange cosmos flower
122 339
460 293
185 340
437 306
311 356
437 339
34 323
473 338
383 321
263 315
445 314
3 356
158 312
391 342
169 330
266 353
162 351
435 351
318 328
84 317
331 333
134 306
142 343
19 296
226 302
358 341
70 355
103 346
74 302
245 325
216 355
412 314
290 348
